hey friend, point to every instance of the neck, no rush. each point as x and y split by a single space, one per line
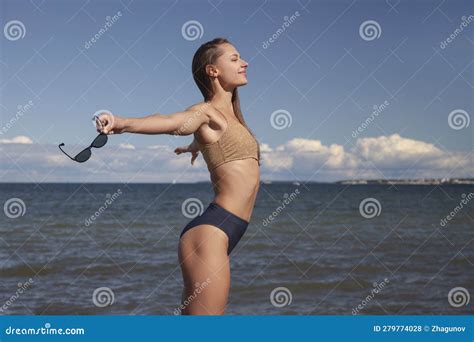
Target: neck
223 98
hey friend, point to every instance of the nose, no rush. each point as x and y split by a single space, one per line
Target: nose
245 64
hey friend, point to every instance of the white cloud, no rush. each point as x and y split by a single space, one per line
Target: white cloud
127 146
385 150
377 157
57 159
158 147
305 159
112 163
20 139
278 161
265 148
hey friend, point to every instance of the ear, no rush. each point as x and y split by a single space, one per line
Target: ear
211 70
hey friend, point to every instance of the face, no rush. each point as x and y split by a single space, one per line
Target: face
231 68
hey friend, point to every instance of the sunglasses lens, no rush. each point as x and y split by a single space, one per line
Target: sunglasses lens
83 155
100 140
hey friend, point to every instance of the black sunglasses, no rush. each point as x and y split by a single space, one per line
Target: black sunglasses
85 154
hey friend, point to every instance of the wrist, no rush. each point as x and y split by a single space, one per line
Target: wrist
194 145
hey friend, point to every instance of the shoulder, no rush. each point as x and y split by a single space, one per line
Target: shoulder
202 108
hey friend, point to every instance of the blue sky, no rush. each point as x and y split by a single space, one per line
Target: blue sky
323 73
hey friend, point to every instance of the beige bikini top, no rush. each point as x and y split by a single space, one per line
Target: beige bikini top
235 143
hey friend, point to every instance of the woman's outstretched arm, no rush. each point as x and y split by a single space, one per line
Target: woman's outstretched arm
180 123
193 148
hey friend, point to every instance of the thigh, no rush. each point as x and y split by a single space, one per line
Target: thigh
206 270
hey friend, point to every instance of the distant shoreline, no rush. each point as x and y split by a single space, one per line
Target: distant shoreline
427 181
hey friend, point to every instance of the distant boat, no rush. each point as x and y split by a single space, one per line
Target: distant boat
266 182
297 183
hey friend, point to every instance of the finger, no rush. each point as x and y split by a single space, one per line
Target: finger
102 119
98 124
109 125
106 120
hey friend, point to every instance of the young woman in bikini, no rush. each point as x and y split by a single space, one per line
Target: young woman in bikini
232 155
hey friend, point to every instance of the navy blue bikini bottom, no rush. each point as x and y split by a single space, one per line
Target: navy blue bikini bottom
228 222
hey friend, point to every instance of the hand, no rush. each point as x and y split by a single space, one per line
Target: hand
188 148
108 123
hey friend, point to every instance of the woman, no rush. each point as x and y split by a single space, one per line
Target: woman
232 155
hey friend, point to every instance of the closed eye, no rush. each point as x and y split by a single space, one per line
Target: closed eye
235 60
